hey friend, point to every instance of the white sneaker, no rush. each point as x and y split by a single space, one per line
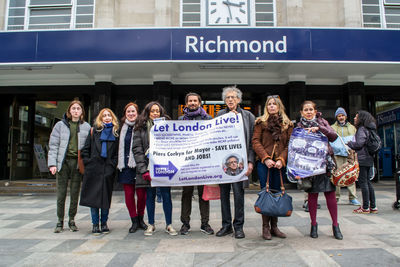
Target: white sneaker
170 230
150 230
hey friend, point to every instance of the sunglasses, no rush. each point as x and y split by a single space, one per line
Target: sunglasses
273 96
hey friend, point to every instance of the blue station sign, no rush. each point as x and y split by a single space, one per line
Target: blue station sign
201 44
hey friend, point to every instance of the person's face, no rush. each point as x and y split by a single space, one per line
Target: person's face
155 112
76 111
232 100
233 163
106 117
272 106
308 111
131 113
193 102
341 118
356 119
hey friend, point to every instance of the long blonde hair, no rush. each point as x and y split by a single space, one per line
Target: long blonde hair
98 122
285 119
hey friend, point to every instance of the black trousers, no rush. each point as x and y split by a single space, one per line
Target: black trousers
186 209
238 197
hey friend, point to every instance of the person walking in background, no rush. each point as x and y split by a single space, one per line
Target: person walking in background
364 123
100 156
141 144
346 131
66 139
312 121
232 97
194 111
127 170
270 143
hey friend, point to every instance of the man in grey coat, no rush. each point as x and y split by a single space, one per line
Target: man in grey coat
232 97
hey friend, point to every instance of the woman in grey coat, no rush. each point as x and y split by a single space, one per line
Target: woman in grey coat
66 139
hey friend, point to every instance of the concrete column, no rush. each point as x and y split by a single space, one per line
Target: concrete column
350 13
101 97
162 91
356 97
297 94
106 14
3 13
294 13
163 16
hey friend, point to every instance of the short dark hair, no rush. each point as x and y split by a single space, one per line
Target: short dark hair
192 94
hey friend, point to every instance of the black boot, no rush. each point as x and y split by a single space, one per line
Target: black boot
135 225
96 229
314 231
141 223
336 232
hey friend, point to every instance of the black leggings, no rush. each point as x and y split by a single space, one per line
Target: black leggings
368 192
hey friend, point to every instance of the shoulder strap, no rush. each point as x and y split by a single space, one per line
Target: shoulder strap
91 131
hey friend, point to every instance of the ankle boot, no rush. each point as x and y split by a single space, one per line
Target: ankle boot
266 233
336 232
274 228
141 223
314 231
135 225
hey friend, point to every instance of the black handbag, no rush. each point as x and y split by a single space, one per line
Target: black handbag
274 203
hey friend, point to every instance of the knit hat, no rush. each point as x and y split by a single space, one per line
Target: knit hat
340 110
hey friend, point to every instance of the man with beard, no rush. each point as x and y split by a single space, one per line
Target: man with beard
194 111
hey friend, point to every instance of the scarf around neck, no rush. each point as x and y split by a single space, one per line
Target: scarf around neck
105 136
121 150
275 126
190 115
309 123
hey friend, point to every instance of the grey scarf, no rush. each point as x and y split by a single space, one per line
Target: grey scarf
121 150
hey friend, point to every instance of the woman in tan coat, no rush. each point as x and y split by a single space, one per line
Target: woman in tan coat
270 142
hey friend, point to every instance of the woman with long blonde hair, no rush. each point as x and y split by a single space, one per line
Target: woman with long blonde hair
100 157
270 141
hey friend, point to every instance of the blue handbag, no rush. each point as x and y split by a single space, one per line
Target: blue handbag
274 203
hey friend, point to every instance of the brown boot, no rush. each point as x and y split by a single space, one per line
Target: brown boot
274 228
266 233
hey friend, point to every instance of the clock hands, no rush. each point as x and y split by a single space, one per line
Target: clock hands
228 3
229 8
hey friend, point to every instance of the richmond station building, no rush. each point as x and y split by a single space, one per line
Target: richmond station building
109 52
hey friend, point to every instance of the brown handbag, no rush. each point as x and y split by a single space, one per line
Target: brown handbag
81 166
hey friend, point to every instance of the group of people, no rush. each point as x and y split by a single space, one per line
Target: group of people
107 148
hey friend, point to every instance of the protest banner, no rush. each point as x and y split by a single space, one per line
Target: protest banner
198 152
306 154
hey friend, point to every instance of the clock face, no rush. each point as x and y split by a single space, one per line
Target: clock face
227 12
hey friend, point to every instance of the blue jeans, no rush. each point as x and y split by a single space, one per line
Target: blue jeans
166 201
95 215
274 177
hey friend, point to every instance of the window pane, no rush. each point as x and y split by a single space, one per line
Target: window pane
376 2
49 2
84 10
264 17
49 20
16 12
191 17
393 26
263 1
264 24
84 26
16 21
393 19
392 1
85 2
191 8
15 28
49 12
48 27
264 8
372 25
191 1
392 10
191 24
371 9
17 3
84 19
372 18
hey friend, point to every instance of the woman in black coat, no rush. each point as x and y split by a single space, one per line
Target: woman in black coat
100 156
312 121
141 144
364 123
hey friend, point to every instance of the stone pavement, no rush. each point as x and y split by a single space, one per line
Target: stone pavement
27 238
